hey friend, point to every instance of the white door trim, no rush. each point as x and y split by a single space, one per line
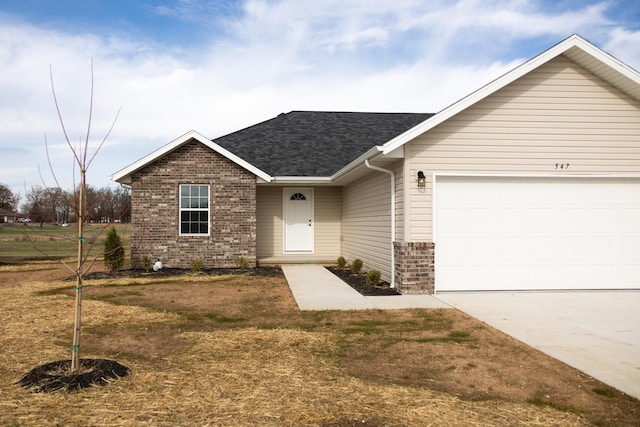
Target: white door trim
303 241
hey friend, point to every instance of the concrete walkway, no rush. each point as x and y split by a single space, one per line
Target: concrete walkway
316 288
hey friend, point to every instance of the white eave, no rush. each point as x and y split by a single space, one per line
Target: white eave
356 163
123 176
574 48
310 180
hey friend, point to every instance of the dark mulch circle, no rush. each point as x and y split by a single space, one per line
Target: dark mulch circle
359 283
57 376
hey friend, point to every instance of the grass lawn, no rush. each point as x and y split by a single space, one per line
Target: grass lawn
234 350
29 242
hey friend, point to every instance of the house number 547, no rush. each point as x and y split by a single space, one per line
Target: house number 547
562 165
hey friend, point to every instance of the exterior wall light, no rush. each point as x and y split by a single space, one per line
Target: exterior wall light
422 180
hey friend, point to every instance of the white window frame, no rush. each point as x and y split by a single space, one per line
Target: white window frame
182 209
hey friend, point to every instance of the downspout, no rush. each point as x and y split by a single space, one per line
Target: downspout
393 216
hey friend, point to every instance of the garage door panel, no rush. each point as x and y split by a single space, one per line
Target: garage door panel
629 219
499 233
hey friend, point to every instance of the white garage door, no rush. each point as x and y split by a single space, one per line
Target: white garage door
503 233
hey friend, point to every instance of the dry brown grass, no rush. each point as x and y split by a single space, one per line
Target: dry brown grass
247 376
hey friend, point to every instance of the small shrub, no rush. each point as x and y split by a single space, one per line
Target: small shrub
342 263
146 263
113 251
196 265
242 262
356 266
372 278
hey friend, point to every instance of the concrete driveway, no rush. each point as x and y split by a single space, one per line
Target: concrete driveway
593 331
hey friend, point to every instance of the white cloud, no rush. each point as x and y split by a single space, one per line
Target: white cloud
625 45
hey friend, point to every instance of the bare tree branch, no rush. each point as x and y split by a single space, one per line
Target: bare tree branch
64 130
105 137
46 147
86 141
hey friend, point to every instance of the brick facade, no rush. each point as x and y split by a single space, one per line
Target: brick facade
155 210
415 267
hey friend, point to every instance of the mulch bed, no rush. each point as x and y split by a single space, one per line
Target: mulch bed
57 375
358 282
173 272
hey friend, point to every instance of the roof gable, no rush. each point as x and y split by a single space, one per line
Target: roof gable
124 175
574 48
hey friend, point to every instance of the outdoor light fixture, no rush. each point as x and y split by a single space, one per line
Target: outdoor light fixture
422 180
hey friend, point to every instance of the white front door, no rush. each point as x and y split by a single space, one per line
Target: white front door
298 219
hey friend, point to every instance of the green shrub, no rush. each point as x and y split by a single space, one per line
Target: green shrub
242 262
342 262
356 266
196 265
146 263
372 278
113 251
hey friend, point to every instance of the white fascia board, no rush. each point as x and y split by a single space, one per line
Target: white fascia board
237 160
301 180
504 80
123 175
357 162
609 60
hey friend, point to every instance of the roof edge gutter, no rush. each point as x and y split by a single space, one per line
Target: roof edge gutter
393 215
301 180
357 162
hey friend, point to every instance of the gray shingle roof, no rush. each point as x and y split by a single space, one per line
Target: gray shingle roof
315 143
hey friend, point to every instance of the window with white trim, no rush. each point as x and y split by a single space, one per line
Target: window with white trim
194 210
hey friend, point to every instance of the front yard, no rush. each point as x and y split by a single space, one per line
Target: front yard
234 350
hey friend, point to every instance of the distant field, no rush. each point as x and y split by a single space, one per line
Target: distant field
21 243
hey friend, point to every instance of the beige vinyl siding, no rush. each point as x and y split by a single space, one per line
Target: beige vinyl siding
327 221
270 226
557 114
366 220
268 221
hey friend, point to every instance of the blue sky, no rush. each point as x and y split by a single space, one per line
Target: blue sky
218 66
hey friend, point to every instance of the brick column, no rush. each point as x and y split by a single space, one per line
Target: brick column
415 267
